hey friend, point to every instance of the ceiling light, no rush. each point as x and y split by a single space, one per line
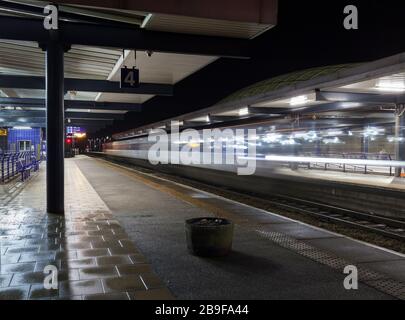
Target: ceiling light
22 128
300 100
391 86
72 94
243 112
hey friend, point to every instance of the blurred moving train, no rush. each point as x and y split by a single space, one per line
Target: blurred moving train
369 150
328 165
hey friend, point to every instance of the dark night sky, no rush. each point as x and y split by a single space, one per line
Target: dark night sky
309 33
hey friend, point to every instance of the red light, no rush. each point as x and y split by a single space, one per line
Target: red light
68 141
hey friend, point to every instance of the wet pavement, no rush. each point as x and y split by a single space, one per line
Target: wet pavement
270 258
93 255
122 238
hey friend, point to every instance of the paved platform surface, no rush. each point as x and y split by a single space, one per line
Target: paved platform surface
356 178
273 257
94 257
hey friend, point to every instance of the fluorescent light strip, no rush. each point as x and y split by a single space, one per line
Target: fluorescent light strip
360 162
297 101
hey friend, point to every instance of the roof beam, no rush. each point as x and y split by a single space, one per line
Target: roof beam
72 115
93 115
264 11
214 118
23 120
42 124
71 104
31 82
268 111
359 97
195 123
332 106
12 28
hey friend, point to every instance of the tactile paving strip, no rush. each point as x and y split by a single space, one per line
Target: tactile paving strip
373 279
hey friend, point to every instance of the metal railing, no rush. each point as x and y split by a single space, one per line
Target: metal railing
336 166
14 163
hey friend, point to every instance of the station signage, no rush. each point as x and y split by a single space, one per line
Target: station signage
3 132
129 78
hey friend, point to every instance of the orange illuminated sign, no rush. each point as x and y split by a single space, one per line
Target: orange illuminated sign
3 132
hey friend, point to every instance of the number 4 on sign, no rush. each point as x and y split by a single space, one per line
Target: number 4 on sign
129 78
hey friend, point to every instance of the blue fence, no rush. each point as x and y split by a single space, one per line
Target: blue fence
18 163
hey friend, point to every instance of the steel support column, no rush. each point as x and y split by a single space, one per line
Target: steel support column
55 129
400 136
365 143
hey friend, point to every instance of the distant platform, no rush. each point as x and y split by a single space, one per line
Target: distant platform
355 178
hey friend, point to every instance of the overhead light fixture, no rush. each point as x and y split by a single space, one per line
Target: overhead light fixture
72 94
22 128
391 85
79 135
243 112
146 20
297 101
208 119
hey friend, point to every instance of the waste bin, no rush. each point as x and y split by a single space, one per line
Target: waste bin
209 237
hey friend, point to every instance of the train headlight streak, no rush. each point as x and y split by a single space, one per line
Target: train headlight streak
272 138
335 140
334 133
371 131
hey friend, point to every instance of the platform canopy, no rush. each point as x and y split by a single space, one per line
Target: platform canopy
166 40
348 95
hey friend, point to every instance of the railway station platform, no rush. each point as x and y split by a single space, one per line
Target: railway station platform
372 180
123 238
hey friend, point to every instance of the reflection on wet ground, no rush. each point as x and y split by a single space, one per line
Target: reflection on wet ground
93 255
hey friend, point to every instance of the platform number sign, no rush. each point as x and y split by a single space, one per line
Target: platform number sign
129 78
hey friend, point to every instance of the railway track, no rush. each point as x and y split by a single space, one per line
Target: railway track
388 227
